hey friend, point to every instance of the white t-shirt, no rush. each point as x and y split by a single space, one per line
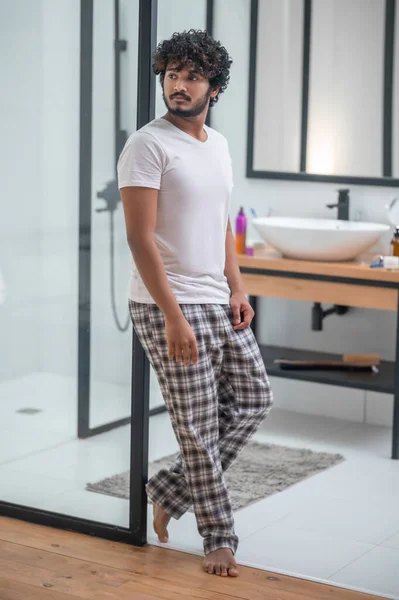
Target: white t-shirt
195 181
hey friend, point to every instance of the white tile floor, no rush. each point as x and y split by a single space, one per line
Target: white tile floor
340 526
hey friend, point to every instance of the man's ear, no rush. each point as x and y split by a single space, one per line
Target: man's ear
214 92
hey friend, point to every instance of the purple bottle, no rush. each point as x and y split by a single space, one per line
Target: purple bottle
241 232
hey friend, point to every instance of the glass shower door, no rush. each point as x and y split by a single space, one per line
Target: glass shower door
66 343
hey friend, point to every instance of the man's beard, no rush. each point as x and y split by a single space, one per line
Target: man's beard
191 112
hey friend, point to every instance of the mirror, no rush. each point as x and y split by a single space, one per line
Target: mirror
324 91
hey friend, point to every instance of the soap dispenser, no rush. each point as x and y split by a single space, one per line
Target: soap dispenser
395 242
241 232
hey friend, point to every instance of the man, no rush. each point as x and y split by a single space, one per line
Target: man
187 300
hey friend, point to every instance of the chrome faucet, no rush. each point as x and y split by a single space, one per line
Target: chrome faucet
342 205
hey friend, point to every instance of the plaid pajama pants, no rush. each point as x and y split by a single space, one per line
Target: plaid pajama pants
214 407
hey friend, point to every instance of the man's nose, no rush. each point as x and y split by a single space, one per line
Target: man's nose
180 85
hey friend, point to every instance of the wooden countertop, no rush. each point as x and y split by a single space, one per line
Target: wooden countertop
358 269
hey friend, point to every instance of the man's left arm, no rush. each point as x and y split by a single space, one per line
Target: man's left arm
242 310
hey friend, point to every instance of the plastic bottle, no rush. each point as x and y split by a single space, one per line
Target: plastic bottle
241 232
395 243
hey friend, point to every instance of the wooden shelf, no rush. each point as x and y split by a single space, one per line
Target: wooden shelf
383 381
271 260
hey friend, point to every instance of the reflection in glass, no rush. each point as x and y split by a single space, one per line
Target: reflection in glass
277 134
346 83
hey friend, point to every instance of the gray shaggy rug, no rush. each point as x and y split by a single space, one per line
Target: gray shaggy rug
260 470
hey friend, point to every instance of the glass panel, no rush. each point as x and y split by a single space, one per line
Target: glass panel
111 334
110 328
346 83
277 131
43 464
39 117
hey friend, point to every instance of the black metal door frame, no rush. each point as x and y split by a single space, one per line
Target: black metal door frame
140 364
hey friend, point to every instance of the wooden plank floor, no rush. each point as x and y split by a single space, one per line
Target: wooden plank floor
41 563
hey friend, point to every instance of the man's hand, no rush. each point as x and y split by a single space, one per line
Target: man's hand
182 344
243 312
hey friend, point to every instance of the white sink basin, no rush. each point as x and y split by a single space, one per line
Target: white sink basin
319 239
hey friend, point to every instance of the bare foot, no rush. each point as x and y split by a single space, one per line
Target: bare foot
161 520
221 562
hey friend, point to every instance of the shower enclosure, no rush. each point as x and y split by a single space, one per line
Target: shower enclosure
76 390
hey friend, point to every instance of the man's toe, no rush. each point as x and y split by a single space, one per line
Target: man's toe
233 571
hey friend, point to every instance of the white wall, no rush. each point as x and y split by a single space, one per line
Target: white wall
21 127
284 322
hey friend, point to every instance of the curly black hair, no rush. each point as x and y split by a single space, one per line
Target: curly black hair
198 50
